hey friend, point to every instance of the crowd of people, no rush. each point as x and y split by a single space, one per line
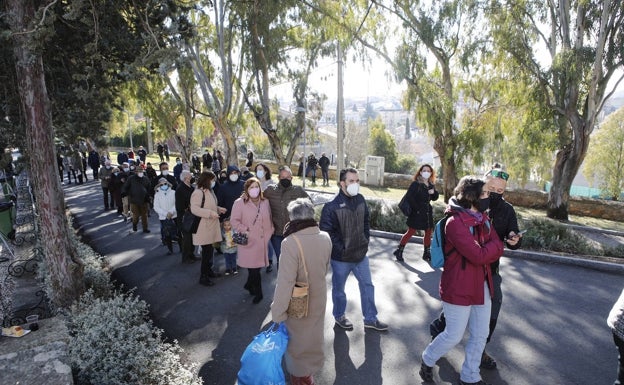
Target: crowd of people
280 232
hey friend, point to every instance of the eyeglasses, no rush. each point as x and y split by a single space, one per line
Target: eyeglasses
499 174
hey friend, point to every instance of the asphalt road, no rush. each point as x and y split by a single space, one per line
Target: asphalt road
552 328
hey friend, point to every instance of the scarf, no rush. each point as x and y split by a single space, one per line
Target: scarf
297 225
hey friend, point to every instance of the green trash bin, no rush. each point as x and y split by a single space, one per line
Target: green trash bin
7 215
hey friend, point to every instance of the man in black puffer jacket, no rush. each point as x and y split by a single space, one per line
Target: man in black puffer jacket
347 220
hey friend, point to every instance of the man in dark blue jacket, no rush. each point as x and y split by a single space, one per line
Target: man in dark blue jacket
347 221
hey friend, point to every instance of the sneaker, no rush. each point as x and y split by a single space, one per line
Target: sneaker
234 271
487 362
227 272
426 372
134 228
377 325
481 382
344 323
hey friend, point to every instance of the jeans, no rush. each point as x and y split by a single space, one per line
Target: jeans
276 241
361 271
230 261
477 319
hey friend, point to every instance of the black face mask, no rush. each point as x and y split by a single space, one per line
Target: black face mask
495 199
285 183
192 180
484 204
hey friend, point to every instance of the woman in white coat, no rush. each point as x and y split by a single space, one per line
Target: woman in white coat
164 205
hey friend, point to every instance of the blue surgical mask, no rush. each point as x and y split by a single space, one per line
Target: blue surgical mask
164 187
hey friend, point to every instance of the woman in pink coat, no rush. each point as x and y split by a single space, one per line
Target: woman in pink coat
251 214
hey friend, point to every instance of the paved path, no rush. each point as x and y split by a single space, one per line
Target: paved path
552 328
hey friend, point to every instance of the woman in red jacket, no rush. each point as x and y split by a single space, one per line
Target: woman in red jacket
466 287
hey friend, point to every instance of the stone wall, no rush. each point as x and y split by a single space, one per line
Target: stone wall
596 208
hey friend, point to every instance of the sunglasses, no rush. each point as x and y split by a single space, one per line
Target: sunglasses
499 174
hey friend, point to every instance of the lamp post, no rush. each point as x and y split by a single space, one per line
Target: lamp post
301 110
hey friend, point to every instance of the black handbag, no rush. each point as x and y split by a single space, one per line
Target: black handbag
240 238
405 207
190 221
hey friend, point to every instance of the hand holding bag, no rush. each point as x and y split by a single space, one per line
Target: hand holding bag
298 306
190 221
241 238
261 362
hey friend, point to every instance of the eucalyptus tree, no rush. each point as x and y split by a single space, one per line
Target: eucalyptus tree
570 49
439 42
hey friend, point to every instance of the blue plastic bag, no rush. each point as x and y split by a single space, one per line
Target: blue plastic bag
261 362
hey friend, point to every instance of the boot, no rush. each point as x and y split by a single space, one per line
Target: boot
427 254
307 380
398 253
205 280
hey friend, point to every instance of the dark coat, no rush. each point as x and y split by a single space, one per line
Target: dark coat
229 192
418 197
137 189
324 162
504 220
183 198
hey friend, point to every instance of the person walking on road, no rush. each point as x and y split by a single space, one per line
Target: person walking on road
164 205
105 176
137 189
616 323
466 285
304 355
251 214
347 221
204 205
183 203
279 196
419 194
505 222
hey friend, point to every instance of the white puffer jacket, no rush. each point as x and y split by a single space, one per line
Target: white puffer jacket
164 202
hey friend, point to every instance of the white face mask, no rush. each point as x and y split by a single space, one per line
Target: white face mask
260 174
126 169
254 192
165 172
140 174
234 177
425 174
212 184
353 189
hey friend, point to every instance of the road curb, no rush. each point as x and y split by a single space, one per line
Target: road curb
564 259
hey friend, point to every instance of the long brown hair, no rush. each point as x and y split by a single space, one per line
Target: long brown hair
432 178
204 179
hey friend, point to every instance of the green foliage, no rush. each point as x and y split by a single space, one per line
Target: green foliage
548 234
114 342
386 216
604 164
381 143
406 164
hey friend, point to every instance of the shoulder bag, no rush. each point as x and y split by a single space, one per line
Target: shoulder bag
298 306
190 221
241 238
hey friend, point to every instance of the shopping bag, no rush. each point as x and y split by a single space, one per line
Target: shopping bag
261 362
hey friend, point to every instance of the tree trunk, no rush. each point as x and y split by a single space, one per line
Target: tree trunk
567 163
447 162
64 266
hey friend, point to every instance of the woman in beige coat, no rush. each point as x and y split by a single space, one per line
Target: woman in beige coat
304 355
209 230
251 214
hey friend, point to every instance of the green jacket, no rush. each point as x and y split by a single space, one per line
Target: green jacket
279 198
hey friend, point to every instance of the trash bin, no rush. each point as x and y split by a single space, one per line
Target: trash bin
7 215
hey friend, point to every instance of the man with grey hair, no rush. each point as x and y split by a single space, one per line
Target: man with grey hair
279 196
182 204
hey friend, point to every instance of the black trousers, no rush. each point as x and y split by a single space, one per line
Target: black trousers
207 260
186 242
254 281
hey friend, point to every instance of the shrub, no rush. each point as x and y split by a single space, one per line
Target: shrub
547 234
114 342
386 216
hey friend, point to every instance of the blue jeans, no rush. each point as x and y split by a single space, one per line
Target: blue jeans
361 271
230 261
276 241
477 319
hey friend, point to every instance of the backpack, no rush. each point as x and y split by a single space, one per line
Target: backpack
438 240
